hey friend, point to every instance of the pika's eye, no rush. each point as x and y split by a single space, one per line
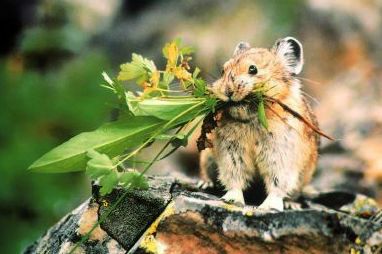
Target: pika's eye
222 72
252 70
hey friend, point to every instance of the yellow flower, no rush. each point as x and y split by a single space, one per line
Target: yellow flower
181 73
171 52
154 80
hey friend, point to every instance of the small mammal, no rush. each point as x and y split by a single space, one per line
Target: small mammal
285 154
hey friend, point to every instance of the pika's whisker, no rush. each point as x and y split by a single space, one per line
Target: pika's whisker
273 95
271 88
310 97
309 80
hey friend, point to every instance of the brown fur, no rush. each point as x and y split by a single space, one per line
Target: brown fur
285 154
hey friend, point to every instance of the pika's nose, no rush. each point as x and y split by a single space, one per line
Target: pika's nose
229 93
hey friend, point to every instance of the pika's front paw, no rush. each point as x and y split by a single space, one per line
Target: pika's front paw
272 203
234 196
203 185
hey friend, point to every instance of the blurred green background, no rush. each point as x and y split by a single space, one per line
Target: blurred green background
53 53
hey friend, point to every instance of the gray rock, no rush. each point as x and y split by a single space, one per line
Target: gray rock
172 217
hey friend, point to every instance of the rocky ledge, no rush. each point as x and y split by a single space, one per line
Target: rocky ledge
173 217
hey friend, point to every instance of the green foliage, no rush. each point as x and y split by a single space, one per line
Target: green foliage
114 86
200 88
101 168
111 138
133 180
108 182
152 115
139 69
261 113
39 111
98 165
165 108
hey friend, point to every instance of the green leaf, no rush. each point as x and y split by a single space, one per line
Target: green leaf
107 78
200 88
139 68
108 182
186 50
133 180
183 49
167 78
177 140
115 86
111 138
196 73
211 104
261 113
131 71
184 140
169 136
98 165
165 109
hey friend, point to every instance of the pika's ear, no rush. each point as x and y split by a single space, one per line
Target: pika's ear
290 52
241 47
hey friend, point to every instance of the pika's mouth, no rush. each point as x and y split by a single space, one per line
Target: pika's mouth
247 102
236 103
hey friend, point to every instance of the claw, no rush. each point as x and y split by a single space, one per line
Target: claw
292 205
203 185
234 196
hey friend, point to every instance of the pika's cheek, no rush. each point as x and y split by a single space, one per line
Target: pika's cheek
218 89
260 78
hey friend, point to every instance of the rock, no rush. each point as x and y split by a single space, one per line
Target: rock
342 172
62 237
136 212
173 217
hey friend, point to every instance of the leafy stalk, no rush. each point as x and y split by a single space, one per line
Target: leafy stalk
261 112
161 130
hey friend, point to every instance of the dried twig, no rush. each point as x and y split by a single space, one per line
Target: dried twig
298 116
209 124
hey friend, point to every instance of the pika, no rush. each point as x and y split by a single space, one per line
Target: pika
284 155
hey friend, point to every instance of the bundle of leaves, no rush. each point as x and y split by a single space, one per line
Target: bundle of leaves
166 105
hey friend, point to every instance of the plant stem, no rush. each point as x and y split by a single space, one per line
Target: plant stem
158 132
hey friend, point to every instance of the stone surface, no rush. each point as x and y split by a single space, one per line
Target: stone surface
137 210
62 237
172 217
